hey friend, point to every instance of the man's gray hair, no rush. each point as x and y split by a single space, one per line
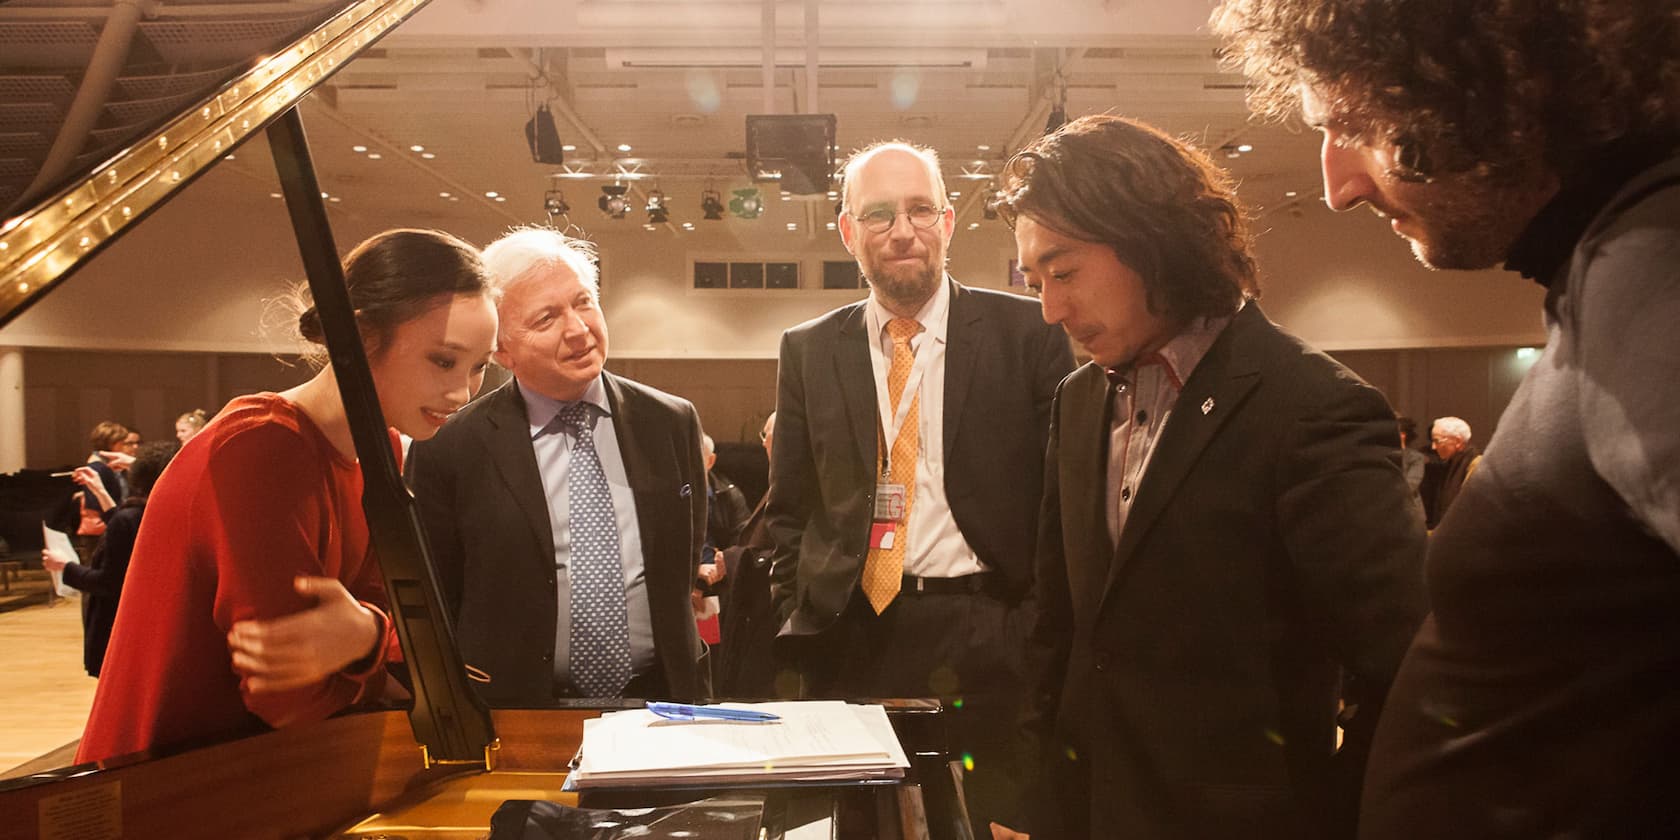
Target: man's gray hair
524 250
707 447
928 156
1453 427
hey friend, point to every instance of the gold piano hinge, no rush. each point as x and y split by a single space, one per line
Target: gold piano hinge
490 751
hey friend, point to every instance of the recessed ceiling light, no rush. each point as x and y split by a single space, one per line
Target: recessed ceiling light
417 148
973 225
983 147
647 226
1289 194
833 193
688 226
956 193
229 156
323 195
568 148
793 226
1245 148
358 149
624 147
427 155
501 198
443 195
491 194
334 199
273 195
831 226
374 156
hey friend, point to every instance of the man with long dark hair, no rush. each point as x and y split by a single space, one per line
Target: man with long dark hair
1228 545
1542 696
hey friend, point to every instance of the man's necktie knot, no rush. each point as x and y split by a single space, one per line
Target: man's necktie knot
901 330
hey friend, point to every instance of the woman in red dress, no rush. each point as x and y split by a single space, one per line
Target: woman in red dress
252 599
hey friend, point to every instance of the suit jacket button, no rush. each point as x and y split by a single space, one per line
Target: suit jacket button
548 657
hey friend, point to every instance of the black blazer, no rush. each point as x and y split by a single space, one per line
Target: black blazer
1187 679
102 580
481 502
1002 363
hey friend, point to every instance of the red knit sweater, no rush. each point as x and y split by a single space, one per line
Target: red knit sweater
255 500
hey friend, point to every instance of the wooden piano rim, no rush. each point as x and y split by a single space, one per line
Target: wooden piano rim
303 781
315 780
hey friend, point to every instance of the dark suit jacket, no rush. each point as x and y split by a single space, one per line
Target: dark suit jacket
748 668
102 580
481 501
1191 672
1002 363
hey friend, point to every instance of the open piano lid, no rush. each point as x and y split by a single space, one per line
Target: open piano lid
106 112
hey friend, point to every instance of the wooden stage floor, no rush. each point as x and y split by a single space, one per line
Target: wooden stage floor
46 692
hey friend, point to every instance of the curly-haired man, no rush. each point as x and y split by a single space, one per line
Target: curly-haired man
1542 697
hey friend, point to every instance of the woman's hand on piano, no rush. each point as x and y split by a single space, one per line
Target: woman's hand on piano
305 647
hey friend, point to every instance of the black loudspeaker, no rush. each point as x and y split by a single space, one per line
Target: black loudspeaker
796 150
543 139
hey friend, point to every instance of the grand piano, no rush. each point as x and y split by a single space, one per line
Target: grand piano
104 116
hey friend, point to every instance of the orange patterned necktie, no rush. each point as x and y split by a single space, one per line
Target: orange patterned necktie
883 572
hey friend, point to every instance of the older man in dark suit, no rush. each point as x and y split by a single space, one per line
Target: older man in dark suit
1228 541
904 483
566 509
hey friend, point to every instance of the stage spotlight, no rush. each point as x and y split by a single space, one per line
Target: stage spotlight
746 204
711 204
612 200
554 204
657 214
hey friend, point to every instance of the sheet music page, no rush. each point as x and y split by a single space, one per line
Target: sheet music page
810 734
59 542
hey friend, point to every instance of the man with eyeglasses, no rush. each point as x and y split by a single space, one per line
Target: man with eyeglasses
907 473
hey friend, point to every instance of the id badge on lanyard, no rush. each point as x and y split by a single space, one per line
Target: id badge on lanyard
891 498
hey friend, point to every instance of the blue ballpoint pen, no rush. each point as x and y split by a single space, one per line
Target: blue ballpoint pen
684 711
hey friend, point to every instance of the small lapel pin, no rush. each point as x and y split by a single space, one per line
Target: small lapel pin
1207 405
688 491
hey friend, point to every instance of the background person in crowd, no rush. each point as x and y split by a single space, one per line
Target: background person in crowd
252 599
1412 461
748 668
1228 545
566 508
107 436
1542 696
1450 438
102 578
726 514
726 505
190 424
904 486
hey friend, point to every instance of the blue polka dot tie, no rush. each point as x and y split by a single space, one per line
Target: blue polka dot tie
600 648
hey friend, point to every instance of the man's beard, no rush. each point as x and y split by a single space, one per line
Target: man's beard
908 289
1475 226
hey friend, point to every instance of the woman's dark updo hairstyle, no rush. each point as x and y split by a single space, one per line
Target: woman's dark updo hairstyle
148 465
397 275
